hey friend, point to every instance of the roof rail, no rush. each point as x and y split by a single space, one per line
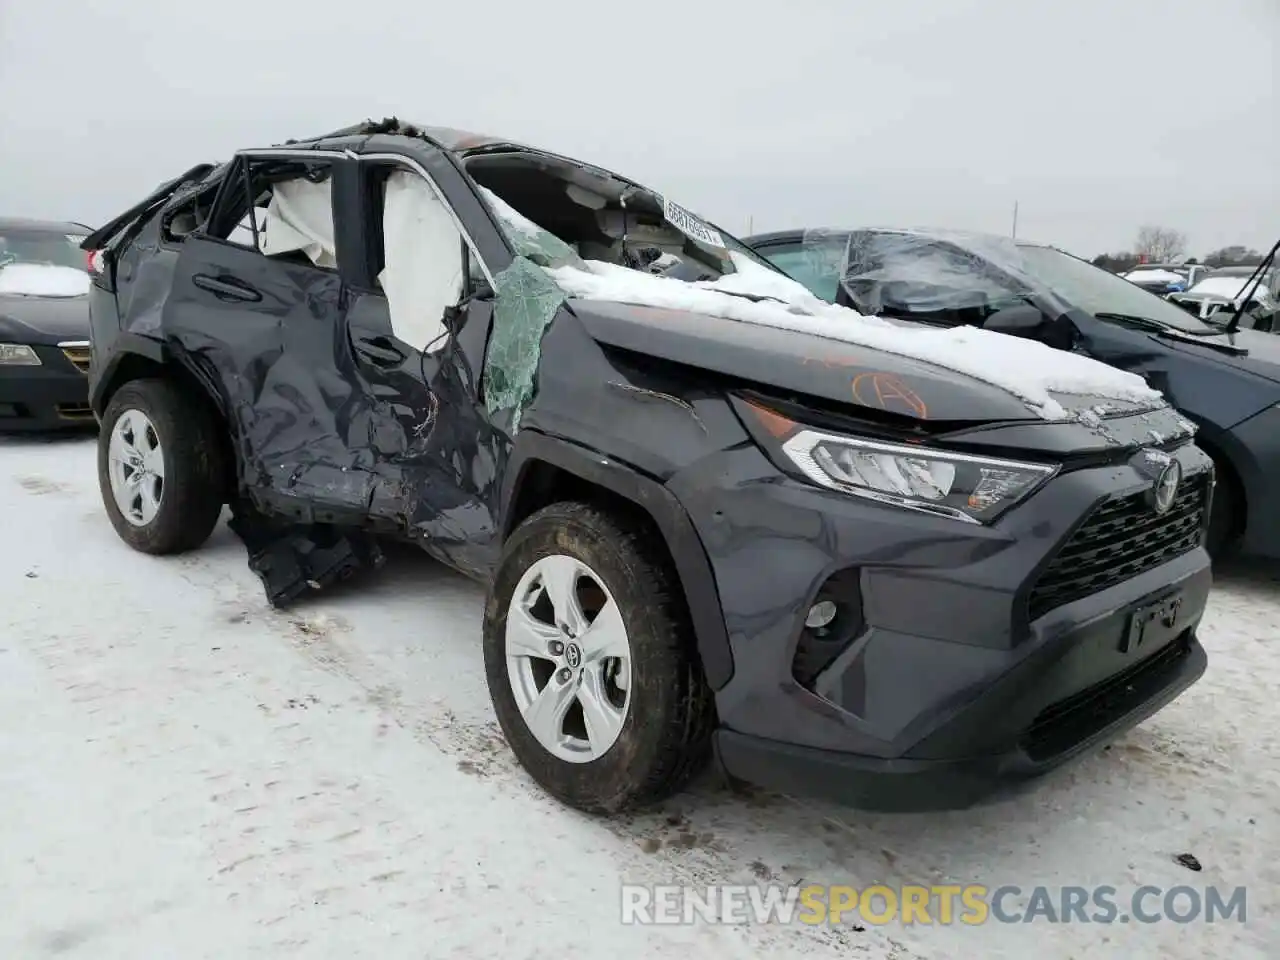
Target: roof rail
365 128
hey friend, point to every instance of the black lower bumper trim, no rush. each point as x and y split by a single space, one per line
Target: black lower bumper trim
45 403
906 785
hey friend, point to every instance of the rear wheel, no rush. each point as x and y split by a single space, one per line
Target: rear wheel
591 664
159 467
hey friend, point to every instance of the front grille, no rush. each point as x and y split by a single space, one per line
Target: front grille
1121 539
78 354
1062 725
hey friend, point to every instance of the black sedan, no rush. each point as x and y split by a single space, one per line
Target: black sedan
1227 382
44 326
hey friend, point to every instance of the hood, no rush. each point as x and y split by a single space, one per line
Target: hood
1262 360
43 320
791 361
800 329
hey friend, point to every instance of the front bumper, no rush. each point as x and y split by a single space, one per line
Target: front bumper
51 396
909 785
954 677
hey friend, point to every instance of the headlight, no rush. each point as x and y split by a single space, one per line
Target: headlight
17 355
956 485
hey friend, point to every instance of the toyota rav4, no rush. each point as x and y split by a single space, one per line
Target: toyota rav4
716 516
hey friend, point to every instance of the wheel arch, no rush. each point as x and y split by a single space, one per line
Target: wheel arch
1228 474
133 358
138 358
545 470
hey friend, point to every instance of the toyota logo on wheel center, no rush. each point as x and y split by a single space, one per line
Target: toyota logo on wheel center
572 656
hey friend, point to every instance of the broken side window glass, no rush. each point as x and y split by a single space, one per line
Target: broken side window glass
526 302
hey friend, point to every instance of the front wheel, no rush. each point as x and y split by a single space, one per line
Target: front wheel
591 665
159 467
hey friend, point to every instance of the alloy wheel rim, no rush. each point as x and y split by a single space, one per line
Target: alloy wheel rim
568 659
135 467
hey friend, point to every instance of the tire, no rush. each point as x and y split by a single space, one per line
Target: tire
664 738
183 509
1224 514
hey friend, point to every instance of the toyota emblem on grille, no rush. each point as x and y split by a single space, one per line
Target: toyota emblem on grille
1165 489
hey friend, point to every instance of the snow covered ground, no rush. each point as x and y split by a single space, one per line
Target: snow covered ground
185 772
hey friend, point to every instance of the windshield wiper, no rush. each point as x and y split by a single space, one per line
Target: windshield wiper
1255 278
1146 323
1171 332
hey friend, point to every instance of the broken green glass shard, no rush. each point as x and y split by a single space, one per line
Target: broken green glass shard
526 301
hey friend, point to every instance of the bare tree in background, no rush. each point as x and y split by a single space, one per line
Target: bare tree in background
1160 244
1230 256
1116 262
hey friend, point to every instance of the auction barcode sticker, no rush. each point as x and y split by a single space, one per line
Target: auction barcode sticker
690 225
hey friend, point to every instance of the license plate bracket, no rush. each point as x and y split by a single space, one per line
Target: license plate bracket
1152 624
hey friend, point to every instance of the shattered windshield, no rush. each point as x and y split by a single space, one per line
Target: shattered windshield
959 278
906 273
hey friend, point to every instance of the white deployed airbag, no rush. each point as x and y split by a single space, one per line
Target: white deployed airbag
300 217
423 250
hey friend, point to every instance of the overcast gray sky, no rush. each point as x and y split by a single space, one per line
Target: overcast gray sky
1096 115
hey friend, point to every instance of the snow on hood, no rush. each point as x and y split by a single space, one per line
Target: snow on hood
43 280
1025 368
1155 276
1228 288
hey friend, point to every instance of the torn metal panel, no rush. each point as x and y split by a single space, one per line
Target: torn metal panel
527 301
292 560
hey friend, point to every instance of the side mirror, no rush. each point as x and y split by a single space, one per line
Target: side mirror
1020 321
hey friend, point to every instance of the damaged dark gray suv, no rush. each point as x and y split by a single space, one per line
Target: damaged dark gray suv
898 567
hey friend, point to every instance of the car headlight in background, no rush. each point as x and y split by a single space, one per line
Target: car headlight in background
956 485
17 355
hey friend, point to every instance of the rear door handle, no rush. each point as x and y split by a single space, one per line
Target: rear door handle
226 288
381 351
